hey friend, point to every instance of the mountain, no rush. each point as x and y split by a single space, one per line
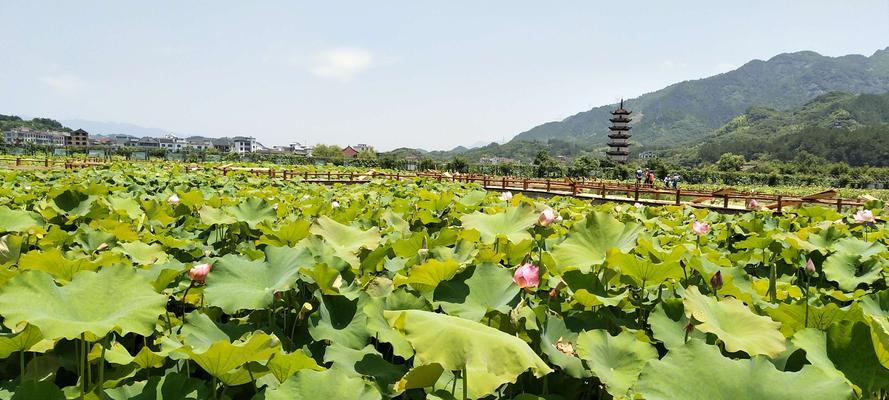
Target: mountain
114 128
685 112
836 126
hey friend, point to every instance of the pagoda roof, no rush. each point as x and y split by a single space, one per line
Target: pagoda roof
620 118
620 110
619 128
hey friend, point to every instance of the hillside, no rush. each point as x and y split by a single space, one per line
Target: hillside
8 122
688 111
837 126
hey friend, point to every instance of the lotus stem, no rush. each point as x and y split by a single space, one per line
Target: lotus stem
102 365
806 324
773 284
22 363
465 385
82 362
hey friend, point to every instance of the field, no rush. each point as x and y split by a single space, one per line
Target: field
158 283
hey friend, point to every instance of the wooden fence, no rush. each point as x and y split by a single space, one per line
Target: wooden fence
725 199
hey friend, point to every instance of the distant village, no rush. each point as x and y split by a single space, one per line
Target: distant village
20 136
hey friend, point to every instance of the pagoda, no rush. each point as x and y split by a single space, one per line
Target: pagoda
618 146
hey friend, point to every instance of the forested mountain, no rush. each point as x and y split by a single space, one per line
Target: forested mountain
689 111
836 126
8 122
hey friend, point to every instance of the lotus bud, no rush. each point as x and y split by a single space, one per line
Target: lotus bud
102 246
637 205
173 200
199 272
864 217
716 281
506 196
28 188
527 275
700 228
810 267
335 204
546 217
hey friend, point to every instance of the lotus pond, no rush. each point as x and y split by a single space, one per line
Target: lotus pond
151 282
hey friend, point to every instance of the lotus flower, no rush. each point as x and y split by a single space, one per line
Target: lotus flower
199 272
547 217
700 228
527 275
637 205
506 196
173 200
810 268
753 205
716 281
335 204
864 217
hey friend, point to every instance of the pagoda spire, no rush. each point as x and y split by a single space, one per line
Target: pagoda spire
618 146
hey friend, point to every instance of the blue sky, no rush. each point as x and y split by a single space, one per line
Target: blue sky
389 73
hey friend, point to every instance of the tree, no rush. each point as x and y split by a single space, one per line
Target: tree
327 151
546 166
426 164
458 164
583 166
730 162
367 153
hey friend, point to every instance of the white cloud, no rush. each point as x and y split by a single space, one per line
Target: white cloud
341 63
63 83
725 67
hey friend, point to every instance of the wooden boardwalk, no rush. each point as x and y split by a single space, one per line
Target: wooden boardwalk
724 200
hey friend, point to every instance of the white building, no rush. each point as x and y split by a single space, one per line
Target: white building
244 144
24 135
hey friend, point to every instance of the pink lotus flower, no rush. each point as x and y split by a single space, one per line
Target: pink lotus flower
547 217
173 200
526 275
864 217
753 205
199 272
506 196
700 228
810 268
637 205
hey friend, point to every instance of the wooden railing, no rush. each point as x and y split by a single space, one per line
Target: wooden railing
49 163
726 199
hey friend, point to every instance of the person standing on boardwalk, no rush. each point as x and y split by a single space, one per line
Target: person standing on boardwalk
676 181
638 177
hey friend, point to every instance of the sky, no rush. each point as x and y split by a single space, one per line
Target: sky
398 73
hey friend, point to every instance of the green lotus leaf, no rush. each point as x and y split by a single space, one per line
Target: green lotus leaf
328 384
556 335
733 323
814 342
615 360
458 344
285 234
642 272
476 290
45 390
377 325
851 349
142 253
590 239
427 276
668 323
10 250
19 220
512 224
237 283
345 240
253 211
699 371
74 204
588 290
215 216
849 270
367 362
863 249
19 341
420 377
341 321
55 263
224 356
284 365
793 316
115 298
127 206
171 386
